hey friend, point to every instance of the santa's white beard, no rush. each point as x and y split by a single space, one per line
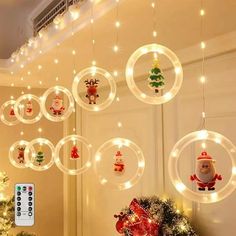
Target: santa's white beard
205 178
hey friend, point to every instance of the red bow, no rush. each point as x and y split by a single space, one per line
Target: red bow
139 223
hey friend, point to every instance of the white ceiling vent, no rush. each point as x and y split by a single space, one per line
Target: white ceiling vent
55 8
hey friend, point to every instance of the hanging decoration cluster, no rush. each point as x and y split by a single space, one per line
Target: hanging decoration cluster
153 217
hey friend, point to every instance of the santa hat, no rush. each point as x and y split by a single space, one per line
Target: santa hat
118 154
204 156
57 97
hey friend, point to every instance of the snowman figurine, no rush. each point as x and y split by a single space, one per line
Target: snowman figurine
205 176
29 109
57 106
119 166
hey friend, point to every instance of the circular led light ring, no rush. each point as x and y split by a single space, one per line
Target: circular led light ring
94 70
73 138
30 149
173 166
11 154
155 48
139 155
68 111
20 116
2 116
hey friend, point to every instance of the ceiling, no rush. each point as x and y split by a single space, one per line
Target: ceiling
178 28
15 23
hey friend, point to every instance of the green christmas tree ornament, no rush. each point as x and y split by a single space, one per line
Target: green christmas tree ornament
156 79
40 157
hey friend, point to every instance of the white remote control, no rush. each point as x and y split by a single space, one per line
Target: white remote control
24 204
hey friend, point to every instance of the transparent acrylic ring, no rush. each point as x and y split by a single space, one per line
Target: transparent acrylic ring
70 102
2 116
18 105
73 138
93 71
11 154
173 166
155 48
119 142
30 150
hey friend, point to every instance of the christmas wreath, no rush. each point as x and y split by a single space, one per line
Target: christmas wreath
153 217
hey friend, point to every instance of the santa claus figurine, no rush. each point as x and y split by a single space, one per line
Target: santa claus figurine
205 176
119 166
29 108
57 106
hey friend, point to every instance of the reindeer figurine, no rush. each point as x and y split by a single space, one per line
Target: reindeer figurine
92 85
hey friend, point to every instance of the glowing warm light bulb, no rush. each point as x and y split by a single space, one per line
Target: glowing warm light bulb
40 67
203 45
56 61
40 130
29 72
115 73
154 34
153 4
117 99
73 52
202 12
12 84
28 87
12 97
40 82
22 66
21 133
94 63
117 24
203 79
115 48
57 78
119 124
22 78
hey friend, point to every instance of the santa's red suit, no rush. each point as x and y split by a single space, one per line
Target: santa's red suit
206 175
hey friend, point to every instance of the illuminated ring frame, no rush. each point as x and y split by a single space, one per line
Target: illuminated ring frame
107 76
68 111
155 48
139 155
58 162
2 116
11 157
173 166
19 116
31 149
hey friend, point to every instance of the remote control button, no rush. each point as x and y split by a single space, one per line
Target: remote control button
30 213
18 209
18 198
30 198
18 214
18 188
30 208
30 193
18 193
30 188
24 188
18 203
30 203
